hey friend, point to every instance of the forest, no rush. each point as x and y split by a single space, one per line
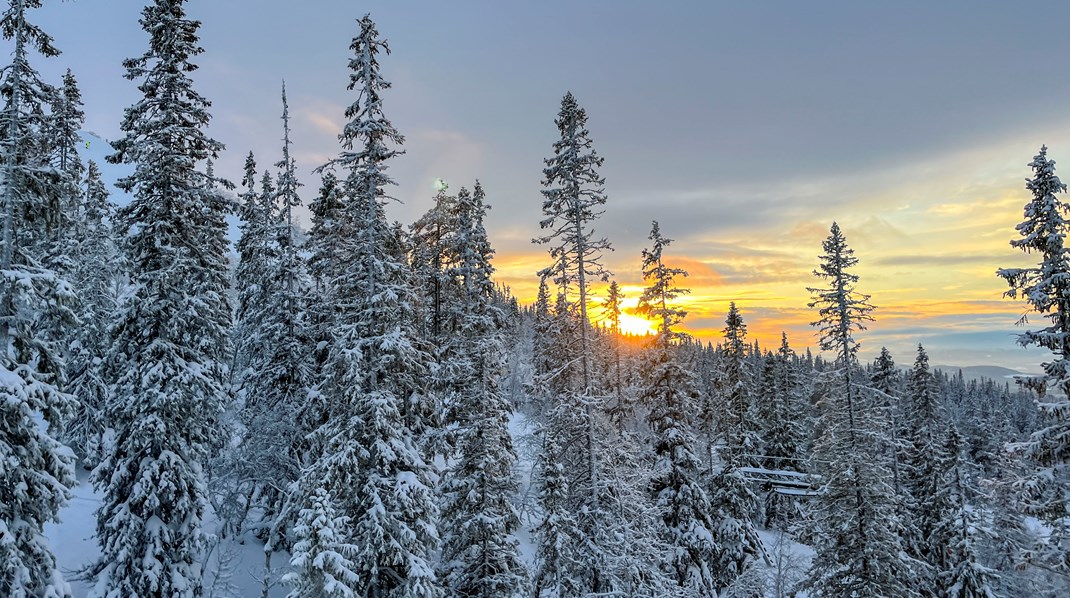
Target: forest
365 406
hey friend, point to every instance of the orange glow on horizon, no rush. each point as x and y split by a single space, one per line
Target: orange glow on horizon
929 270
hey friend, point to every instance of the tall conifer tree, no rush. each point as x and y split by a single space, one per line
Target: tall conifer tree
480 553
376 368
736 423
858 552
572 200
960 574
925 425
685 508
97 275
35 470
170 349
1046 287
276 351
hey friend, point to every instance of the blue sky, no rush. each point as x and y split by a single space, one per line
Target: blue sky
745 128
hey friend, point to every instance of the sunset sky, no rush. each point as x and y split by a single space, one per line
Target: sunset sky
745 128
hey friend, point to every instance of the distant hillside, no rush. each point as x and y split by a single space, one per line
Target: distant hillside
976 372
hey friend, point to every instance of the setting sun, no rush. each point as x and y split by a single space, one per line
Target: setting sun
636 325
630 322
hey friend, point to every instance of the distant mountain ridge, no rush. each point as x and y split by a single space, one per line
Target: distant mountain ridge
977 372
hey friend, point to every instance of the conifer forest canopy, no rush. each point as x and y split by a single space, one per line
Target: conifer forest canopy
421 330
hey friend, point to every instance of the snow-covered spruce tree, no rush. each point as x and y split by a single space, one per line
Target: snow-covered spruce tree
781 415
737 544
68 118
857 550
621 409
35 470
291 362
480 551
96 276
277 356
30 183
736 424
1010 547
558 535
322 557
633 534
560 424
371 463
792 387
1046 288
67 230
542 357
436 251
256 252
925 425
238 481
170 345
885 381
959 575
686 512
433 254
324 246
572 200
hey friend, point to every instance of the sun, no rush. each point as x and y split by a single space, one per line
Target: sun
630 322
637 325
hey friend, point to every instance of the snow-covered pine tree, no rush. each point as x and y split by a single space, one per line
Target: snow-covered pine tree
322 555
633 533
542 328
959 575
572 200
323 247
558 534
371 462
686 513
925 424
620 411
792 387
237 481
67 230
433 254
480 551
277 352
857 550
1010 548
781 416
885 381
291 361
737 544
170 346
436 251
97 276
736 424
1046 288
256 252
67 120
36 470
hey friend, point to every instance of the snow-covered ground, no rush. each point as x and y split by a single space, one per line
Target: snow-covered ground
241 573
